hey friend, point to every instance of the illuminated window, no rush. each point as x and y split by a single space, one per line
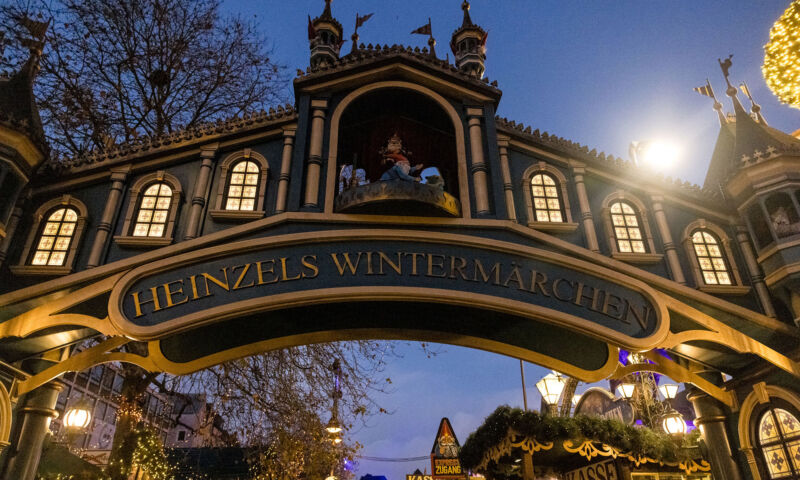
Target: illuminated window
243 186
712 262
546 201
154 209
779 438
627 228
55 238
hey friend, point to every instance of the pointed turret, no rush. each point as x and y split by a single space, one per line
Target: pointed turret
469 45
324 37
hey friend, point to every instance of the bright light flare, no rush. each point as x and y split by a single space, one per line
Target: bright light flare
658 154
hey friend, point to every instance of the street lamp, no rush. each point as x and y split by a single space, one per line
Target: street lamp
625 390
672 423
550 387
669 390
78 416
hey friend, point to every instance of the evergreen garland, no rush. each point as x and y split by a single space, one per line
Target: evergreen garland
545 428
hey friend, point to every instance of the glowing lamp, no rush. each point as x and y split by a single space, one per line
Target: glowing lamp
337 440
333 425
672 423
625 390
550 387
576 398
78 416
669 390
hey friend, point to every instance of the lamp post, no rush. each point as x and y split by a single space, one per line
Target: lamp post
672 423
78 416
550 387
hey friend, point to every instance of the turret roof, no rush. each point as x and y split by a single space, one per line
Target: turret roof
18 110
327 16
466 23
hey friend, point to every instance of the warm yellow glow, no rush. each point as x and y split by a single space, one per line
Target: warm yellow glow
77 417
669 390
337 440
625 390
576 398
781 67
673 423
550 387
333 429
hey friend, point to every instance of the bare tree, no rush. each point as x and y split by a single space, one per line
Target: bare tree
114 70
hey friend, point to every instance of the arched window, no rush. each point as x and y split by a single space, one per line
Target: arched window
55 237
546 201
243 186
627 224
710 257
52 244
152 211
151 218
779 440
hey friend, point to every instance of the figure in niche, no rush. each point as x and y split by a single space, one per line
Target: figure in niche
782 224
348 180
395 155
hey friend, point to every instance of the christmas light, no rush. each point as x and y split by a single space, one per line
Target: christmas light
781 67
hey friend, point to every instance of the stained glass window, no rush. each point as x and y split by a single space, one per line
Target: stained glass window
709 256
627 228
546 203
151 219
779 436
55 238
243 186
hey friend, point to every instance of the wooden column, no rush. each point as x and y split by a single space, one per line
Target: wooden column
113 203
578 171
200 192
478 164
511 211
756 277
286 167
5 244
666 237
315 153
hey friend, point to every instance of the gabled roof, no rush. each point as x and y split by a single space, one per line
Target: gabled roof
18 110
370 56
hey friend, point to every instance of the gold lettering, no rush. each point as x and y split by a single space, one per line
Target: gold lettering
431 265
382 257
369 264
641 318
193 281
414 262
137 303
516 277
168 293
479 268
261 271
216 281
538 279
284 277
615 306
349 264
238 284
556 283
595 297
311 266
460 268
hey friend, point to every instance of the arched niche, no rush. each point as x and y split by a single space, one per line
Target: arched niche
428 139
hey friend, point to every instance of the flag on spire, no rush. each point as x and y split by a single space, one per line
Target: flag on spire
745 90
361 20
424 30
705 90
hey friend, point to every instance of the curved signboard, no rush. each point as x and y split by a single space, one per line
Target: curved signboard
303 269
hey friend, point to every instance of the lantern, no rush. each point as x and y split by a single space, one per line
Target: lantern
672 423
669 390
625 390
78 416
550 387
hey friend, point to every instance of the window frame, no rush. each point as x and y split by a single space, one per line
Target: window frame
226 167
737 287
561 185
649 257
758 446
134 202
42 213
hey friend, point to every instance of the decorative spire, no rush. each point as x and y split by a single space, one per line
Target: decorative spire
731 91
468 44
755 108
324 37
707 91
467 20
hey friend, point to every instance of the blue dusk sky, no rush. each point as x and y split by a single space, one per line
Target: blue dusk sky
599 73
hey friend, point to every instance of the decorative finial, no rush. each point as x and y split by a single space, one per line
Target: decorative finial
467 20
426 30
726 66
707 91
755 108
359 21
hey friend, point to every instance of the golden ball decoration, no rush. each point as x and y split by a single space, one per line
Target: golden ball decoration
781 67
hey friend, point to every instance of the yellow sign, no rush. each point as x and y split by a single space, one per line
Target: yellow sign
599 471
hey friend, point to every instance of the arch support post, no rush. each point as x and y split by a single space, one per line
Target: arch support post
286 168
314 166
711 421
478 164
34 413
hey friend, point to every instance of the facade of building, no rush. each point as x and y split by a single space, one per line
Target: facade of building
390 201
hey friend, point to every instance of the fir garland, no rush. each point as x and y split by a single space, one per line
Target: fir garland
545 428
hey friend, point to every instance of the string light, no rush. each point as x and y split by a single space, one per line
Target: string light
781 67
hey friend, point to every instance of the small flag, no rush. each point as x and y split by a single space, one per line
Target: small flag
705 90
361 20
745 90
424 30
312 32
483 40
